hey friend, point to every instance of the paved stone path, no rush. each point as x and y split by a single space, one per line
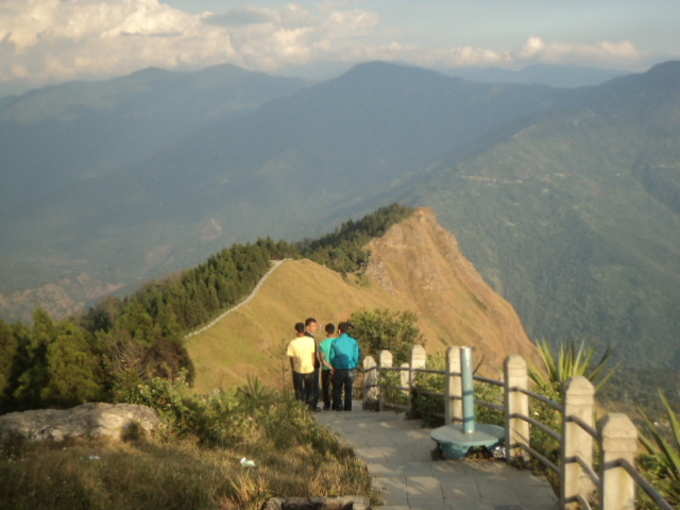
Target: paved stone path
397 453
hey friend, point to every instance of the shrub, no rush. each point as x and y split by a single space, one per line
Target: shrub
195 463
662 460
569 360
384 329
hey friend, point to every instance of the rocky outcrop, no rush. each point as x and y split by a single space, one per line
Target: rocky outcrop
421 261
86 421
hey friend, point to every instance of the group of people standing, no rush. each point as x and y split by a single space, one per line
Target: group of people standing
335 359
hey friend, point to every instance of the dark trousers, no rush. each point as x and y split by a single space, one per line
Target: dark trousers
342 386
303 384
316 389
326 380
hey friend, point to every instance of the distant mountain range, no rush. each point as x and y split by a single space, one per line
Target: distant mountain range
567 200
539 74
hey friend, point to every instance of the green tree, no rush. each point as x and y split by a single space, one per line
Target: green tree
385 329
33 360
73 371
8 351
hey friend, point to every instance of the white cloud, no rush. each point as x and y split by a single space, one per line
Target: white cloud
535 48
52 40
62 39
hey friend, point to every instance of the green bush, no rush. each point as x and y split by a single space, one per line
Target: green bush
381 329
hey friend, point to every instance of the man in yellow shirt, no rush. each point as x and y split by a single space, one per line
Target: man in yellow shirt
302 354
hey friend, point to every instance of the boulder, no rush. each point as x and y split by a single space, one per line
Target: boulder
86 421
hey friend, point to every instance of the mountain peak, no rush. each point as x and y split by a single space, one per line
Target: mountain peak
379 69
415 266
669 69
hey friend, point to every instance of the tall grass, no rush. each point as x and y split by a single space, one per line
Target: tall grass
194 463
662 444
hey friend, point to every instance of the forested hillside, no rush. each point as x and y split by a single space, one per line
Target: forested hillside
575 217
121 342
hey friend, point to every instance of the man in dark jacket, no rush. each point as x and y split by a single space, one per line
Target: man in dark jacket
345 356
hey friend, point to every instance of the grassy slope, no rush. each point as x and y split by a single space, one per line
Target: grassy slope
252 340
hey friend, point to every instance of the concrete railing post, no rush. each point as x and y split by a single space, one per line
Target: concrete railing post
619 442
579 401
418 360
384 361
404 379
516 403
453 403
370 381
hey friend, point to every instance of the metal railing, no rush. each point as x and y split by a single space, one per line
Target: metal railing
613 441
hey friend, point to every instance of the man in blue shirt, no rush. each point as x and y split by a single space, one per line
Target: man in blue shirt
344 354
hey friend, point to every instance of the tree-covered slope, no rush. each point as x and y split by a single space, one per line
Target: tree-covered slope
575 217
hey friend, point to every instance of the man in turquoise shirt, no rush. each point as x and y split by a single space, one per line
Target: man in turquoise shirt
344 354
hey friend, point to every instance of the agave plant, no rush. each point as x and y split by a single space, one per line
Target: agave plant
570 360
664 447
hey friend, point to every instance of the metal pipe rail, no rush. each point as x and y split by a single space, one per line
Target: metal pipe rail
588 470
641 481
429 371
580 500
537 455
394 369
490 405
488 381
552 403
556 435
587 428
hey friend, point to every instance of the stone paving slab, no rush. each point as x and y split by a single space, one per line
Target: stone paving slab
397 453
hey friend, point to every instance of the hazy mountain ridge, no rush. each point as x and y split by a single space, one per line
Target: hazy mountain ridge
540 74
53 138
573 217
330 146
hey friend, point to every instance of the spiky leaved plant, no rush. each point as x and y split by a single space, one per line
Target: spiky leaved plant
569 360
663 446
550 377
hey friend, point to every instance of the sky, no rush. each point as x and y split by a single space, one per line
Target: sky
46 41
